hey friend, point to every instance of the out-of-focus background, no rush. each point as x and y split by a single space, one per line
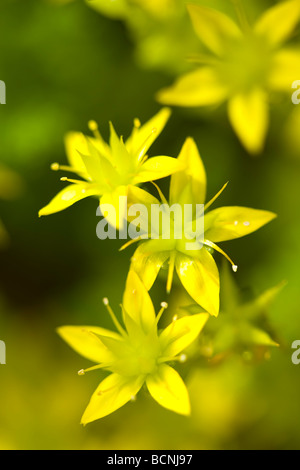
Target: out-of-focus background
63 64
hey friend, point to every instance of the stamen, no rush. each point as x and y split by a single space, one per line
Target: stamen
93 127
98 366
215 197
113 317
130 242
56 167
182 358
137 123
161 194
64 178
215 247
163 305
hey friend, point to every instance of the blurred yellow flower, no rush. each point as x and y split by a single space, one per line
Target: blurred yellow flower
108 171
136 355
243 327
243 67
196 268
124 8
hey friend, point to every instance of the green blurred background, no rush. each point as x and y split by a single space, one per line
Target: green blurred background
64 64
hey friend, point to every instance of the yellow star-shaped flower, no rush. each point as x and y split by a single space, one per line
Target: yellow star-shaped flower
136 355
196 268
243 327
109 171
245 65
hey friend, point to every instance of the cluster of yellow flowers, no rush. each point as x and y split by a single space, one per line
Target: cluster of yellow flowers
241 66
138 353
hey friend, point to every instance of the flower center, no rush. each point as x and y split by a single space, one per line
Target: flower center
245 64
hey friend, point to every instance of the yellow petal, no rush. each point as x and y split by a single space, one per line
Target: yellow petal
214 29
259 306
228 223
117 216
252 335
199 88
113 392
75 144
285 67
181 333
114 9
194 174
200 278
84 341
156 168
147 133
68 196
169 390
249 116
148 259
278 23
137 303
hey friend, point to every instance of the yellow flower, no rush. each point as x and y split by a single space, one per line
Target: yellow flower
109 171
242 327
243 67
196 268
136 355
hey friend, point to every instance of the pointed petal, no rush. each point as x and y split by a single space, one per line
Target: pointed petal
75 143
278 23
181 333
285 67
228 223
169 390
148 259
156 168
84 341
259 306
137 195
201 87
68 196
252 335
200 278
249 116
145 133
137 303
118 215
194 174
214 29
113 392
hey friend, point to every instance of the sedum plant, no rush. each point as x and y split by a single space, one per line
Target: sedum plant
244 65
